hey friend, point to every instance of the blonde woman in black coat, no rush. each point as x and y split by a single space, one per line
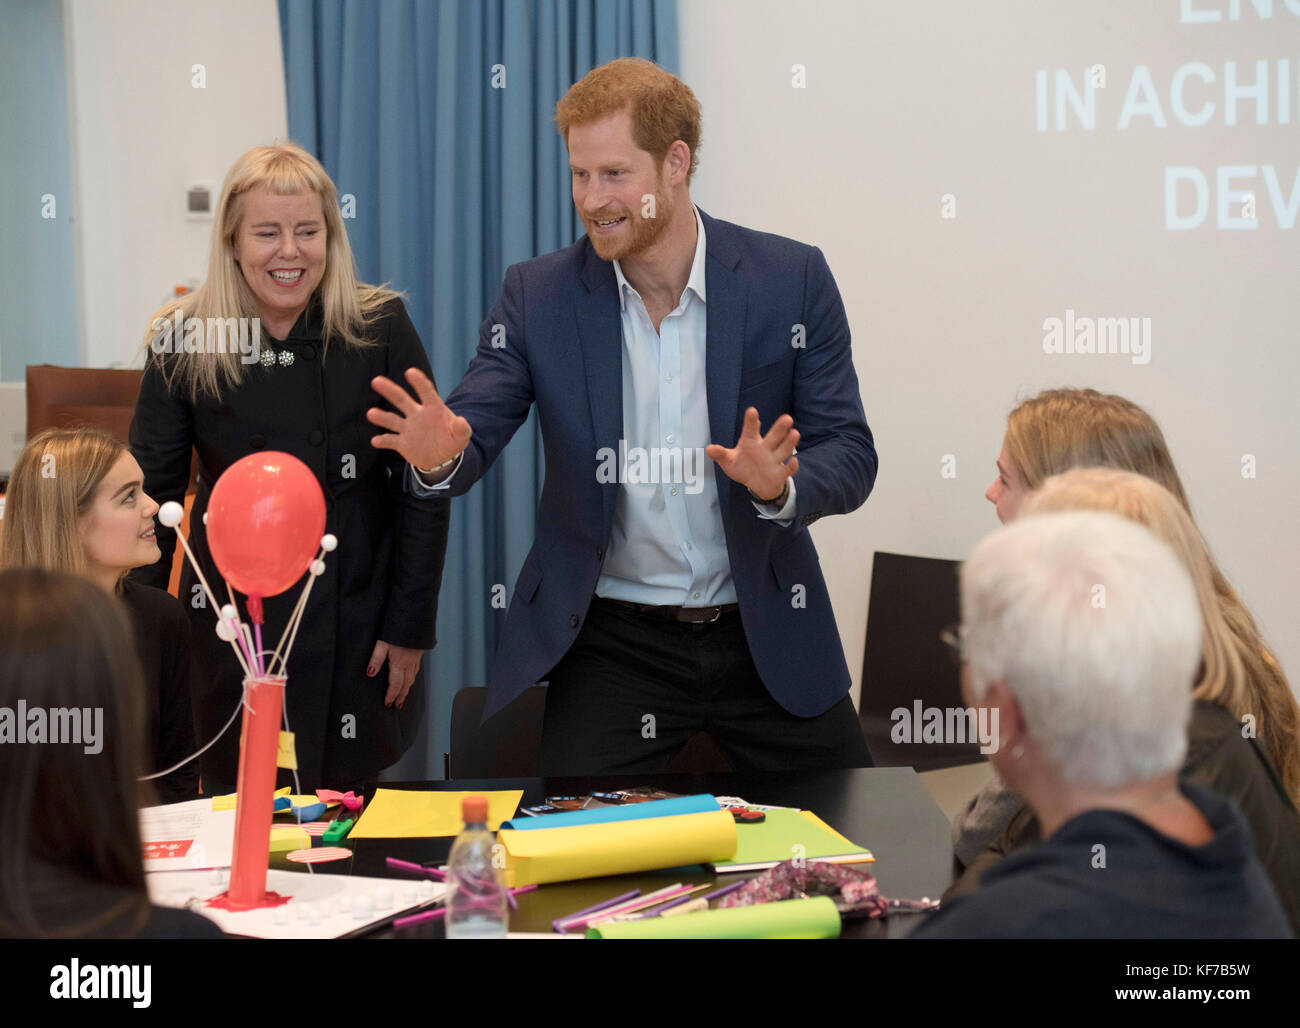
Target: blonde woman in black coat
294 376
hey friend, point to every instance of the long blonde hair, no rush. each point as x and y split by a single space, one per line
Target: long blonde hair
1061 429
1239 673
347 305
52 486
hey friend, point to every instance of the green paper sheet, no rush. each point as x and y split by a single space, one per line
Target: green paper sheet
814 918
787 834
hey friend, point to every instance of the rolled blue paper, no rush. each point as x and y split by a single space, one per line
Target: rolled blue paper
625 812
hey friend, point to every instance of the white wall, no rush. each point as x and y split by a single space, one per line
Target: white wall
142 133
907 102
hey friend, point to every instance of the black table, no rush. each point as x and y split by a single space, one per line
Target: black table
887 810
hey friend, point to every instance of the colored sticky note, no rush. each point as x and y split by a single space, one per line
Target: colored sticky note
228 802
410 814
814 918
286 756
288 837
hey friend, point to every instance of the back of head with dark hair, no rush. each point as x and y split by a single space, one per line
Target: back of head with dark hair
68 810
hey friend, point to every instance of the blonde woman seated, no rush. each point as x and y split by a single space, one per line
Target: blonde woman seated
1231 722
1093 704
1060 429
73 865
76 502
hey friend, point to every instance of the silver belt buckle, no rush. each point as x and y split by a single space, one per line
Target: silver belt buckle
717 613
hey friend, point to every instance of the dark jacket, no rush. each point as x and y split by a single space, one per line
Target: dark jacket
560 317
1105 874
381 583
69 904
1218 759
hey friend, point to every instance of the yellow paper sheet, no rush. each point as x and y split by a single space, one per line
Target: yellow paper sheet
617 847
839 835
409 814
228 802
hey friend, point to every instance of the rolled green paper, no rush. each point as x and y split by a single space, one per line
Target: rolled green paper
814 918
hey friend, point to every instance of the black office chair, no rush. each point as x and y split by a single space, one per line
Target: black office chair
508 744
913 599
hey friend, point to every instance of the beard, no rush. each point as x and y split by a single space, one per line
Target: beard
640 232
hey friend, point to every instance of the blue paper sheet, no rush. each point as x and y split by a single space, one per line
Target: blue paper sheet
627 812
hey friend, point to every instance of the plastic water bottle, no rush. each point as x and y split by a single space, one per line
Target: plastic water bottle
476 892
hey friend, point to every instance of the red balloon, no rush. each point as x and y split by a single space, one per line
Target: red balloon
265 522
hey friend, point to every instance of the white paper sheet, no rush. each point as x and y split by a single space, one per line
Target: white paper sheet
321 906
184 836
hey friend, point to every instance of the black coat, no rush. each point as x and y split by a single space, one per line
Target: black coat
381 583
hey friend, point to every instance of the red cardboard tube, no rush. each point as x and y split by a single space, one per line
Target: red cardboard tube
259 743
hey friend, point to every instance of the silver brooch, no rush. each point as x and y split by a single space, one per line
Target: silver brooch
269 358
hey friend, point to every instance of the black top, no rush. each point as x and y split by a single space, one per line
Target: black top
70 905
170 923
1150 887
162 633
310 400
1222 760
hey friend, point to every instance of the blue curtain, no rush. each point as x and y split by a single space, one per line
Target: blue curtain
38 286
436 118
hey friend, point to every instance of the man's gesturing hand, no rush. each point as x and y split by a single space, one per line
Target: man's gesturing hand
426 433
761 463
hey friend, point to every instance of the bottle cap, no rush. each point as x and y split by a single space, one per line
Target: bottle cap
473 809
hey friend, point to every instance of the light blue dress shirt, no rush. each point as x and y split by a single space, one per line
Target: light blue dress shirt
668 546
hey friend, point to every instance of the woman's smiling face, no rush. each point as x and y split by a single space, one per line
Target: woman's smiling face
281 249
117 532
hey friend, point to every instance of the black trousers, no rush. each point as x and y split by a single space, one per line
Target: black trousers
633 689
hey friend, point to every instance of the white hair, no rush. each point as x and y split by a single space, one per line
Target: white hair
1094 626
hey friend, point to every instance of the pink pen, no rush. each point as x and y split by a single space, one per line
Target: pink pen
415 869
433 915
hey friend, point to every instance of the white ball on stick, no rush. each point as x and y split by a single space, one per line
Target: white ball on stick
171 514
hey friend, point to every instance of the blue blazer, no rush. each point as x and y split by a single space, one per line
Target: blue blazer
777 340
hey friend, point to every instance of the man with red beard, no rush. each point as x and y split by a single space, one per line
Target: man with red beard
676 362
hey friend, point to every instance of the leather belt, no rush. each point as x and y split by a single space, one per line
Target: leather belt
688 615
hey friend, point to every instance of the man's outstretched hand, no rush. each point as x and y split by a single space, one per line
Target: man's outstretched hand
425 432
761 463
